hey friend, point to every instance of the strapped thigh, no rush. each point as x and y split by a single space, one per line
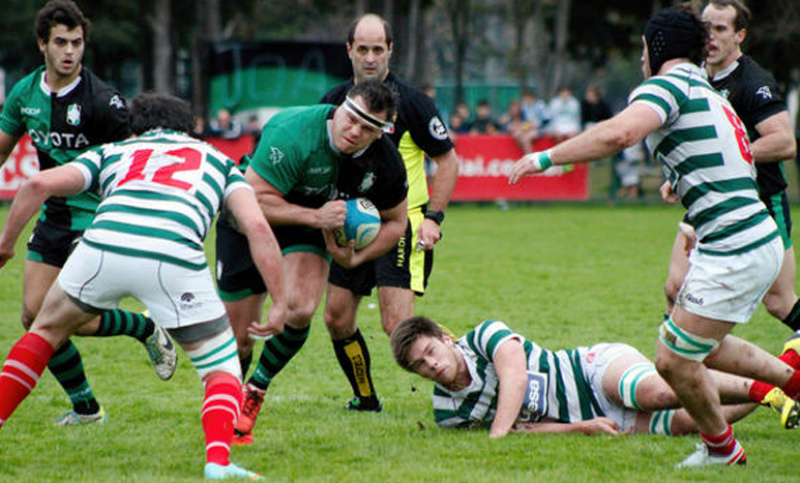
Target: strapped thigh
630 380
689 346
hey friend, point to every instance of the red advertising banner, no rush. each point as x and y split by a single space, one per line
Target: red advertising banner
484 163
23 163
486 160
20 165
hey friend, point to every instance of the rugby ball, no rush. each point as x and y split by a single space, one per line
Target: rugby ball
361 224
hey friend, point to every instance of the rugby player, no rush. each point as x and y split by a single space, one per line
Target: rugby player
495 379
160 193
756 98
703 148
66 109
309 160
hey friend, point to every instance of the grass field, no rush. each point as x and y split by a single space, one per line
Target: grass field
563 275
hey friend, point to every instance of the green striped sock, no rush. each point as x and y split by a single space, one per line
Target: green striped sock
278 351
121 322
67 367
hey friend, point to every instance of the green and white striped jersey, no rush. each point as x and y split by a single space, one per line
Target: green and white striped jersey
558 385
704 150
160 193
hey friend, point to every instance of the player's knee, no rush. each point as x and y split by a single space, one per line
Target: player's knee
300 315
778 305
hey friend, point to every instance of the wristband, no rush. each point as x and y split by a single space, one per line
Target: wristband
543 160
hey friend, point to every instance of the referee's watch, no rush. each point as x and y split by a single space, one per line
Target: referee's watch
437 216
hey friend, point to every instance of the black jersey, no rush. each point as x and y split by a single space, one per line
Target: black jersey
755 96
418 130
62 125
377 174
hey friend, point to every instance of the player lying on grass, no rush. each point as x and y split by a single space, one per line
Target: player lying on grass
495 378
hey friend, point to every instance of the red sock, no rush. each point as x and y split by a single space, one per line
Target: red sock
792 387
220 412
24 365
791 357
758 390
722 444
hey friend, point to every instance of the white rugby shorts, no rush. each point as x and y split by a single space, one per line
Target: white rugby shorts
175 296
597 360
730 288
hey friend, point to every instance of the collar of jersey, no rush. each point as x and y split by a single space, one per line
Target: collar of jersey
726 71
64 91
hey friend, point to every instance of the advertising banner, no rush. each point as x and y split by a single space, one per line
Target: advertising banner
484 164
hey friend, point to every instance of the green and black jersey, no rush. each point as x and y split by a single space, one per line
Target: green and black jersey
63 125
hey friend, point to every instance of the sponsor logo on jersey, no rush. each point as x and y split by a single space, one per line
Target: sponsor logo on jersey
534 402
275 155
74 114
367 182
30 111
764 92
320 170
437 129
59 140
116 101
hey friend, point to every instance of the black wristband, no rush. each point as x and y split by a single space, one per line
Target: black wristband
437 216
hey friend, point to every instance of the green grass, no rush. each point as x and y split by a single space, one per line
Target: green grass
563 275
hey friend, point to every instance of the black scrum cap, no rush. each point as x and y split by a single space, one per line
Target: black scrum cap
673 34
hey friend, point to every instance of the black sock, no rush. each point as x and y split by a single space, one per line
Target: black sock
245 363
122 322
793 319
67 367
354 359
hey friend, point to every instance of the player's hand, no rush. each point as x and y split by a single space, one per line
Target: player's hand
429 234
667 194
689 236
601 425
528 164
332 214
276 317
6 254
346 256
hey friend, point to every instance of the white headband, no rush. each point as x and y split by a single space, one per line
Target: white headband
367 117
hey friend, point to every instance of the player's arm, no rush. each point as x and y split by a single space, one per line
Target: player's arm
592 426
511 367
442 188
280 212
776 141
393 224
266 254
62 181
599 141
7 143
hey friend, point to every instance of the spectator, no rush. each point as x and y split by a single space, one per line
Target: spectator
593 107
565 112
534 111
462 111
626 171
535 116
512 119
224 126
483 122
